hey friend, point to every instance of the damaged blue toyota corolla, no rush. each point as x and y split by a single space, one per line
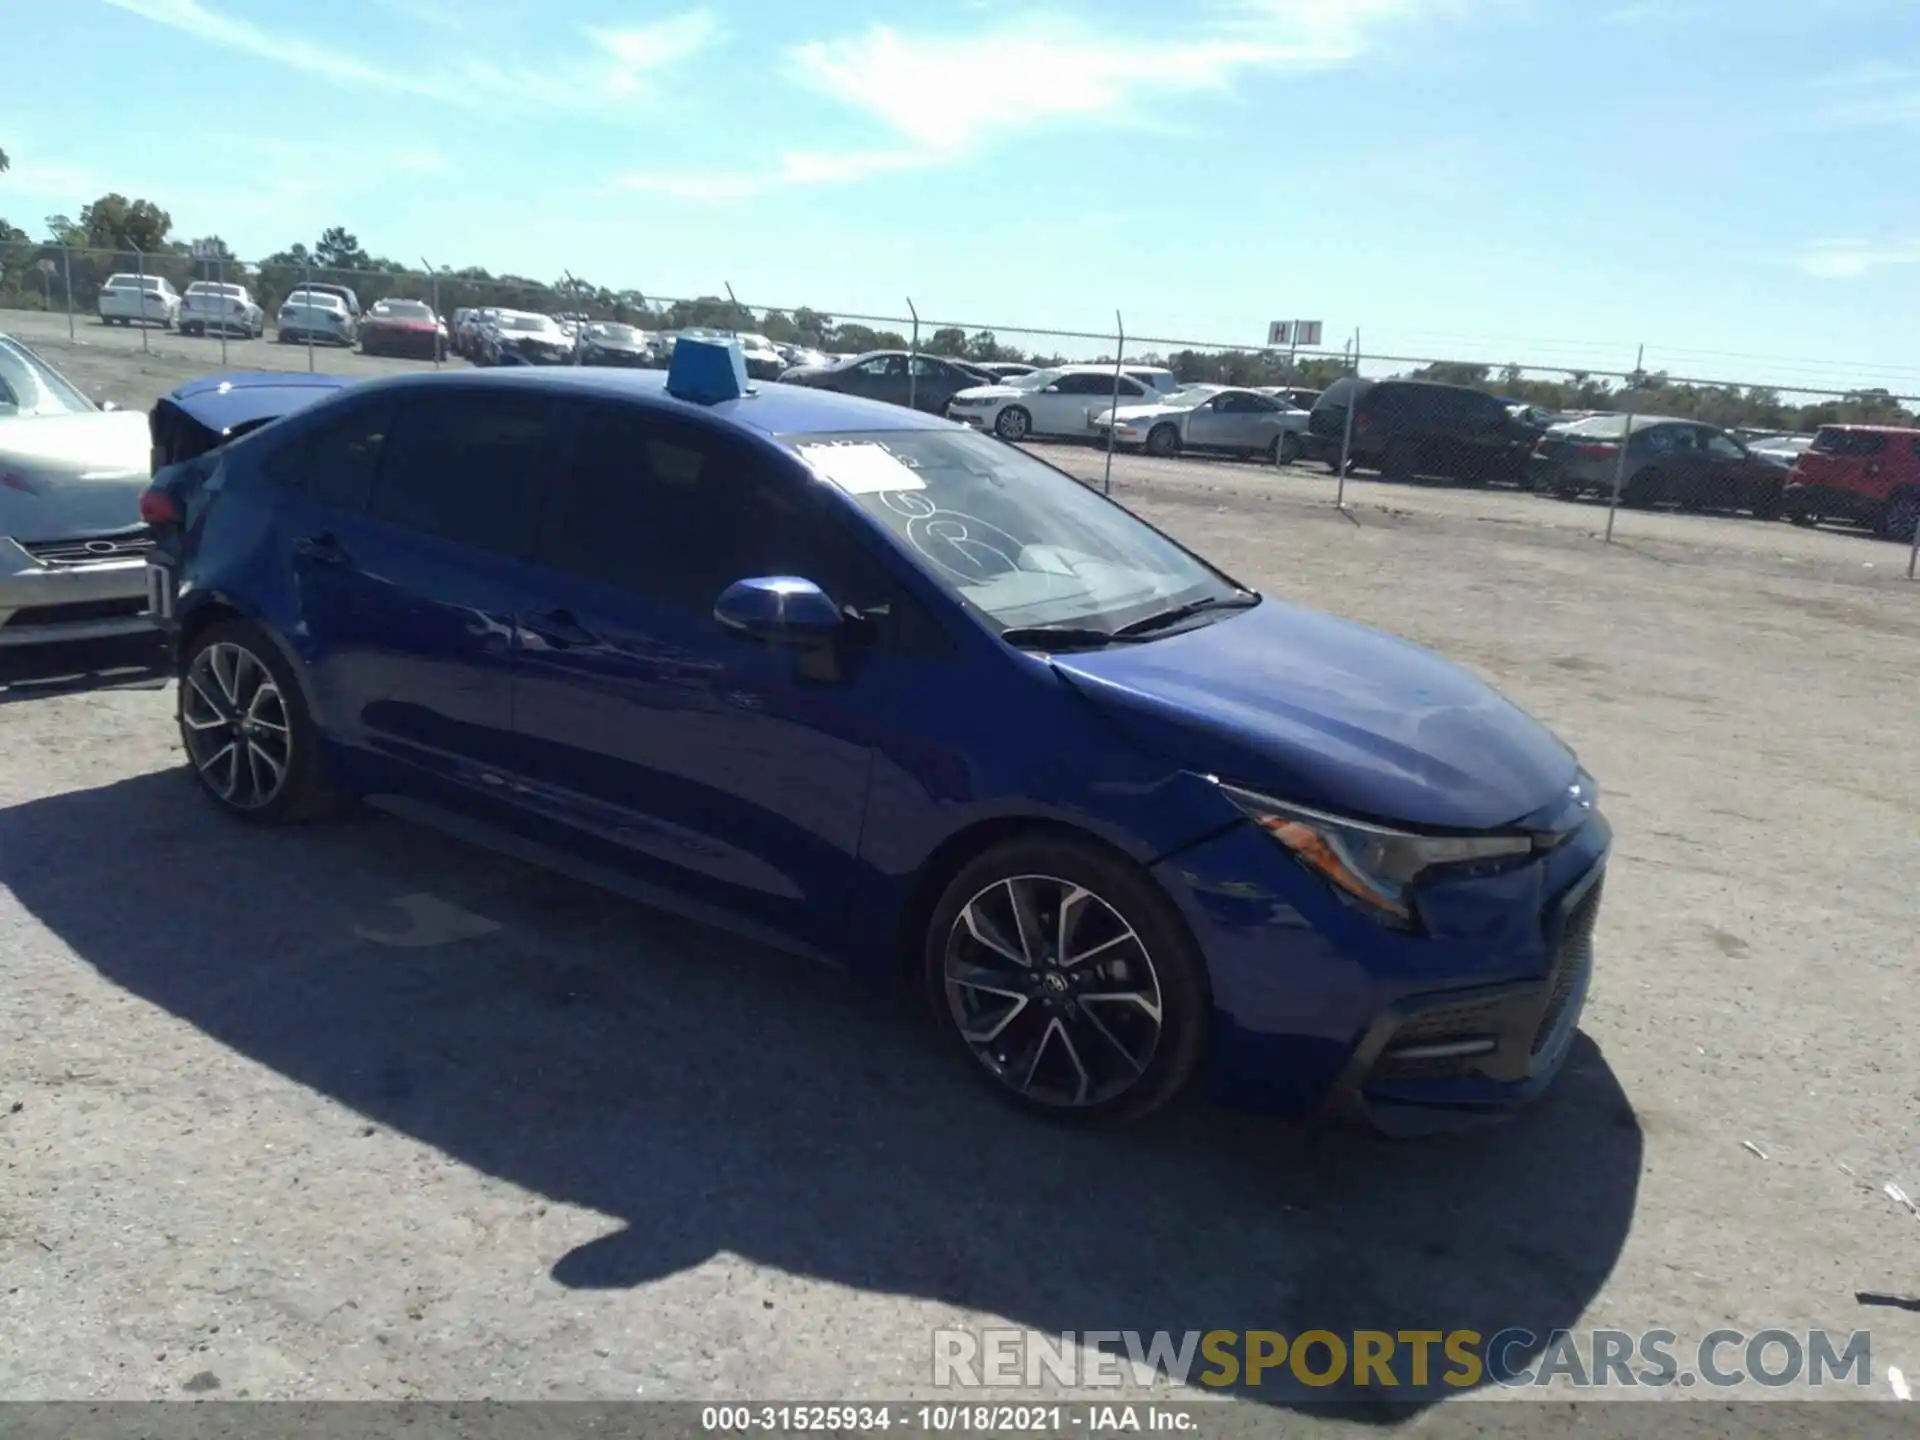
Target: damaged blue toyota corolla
888 692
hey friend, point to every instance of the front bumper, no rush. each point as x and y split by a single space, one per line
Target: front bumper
1319 1011
57 592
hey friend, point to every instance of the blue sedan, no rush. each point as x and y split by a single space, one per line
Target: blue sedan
889 693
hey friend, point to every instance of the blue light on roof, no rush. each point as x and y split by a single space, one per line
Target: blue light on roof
707 370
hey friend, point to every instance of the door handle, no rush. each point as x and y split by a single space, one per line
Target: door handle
322 547
558 628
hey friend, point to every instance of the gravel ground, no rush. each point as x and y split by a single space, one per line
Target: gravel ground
357 1112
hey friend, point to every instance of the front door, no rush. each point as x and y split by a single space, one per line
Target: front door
735 773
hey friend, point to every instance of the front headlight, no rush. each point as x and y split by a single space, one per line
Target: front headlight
1372 866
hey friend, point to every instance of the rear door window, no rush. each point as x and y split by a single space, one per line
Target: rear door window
334 463
468 467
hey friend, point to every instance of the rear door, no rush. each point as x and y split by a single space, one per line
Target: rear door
882 378
1735 480
411 560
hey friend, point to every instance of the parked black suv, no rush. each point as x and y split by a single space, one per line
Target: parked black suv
1409 428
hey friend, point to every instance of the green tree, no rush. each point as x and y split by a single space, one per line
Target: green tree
339 249
113 222
12 234
948 340
5 163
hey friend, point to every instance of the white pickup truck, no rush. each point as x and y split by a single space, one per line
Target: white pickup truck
208 307
139 300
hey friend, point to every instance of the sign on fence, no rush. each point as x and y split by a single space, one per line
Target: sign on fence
1296 333
206 249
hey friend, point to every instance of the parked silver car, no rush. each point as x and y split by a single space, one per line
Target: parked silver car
72 548
1215 418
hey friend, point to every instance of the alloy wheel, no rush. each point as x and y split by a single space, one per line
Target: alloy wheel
1053 991
237 729
1012 424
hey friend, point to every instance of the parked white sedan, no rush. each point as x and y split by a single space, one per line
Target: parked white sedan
1218 419
208 307
1060 402
133 299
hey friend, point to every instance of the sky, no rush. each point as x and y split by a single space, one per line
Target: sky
1727 183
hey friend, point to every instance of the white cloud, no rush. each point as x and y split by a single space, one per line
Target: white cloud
618 67
943 96
1851 259
796 168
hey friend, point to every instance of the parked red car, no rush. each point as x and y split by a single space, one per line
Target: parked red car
403 327
1869 474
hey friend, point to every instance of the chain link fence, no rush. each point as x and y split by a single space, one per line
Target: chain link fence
1631 440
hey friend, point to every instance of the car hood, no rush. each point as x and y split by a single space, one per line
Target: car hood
402 322
1325 712
989 392
1130 413
67 476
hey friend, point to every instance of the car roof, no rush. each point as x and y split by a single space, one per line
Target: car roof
770 408
1873 429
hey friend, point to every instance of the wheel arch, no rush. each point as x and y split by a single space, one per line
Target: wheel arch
969 843
218 610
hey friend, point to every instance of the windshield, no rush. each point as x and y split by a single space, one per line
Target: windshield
1034 381
1017 540
405 309
526 322
315 301
30 386
614 332
1190 398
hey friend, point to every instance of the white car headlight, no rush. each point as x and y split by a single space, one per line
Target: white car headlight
1372 866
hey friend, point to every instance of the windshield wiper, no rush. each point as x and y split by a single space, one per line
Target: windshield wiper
1058 637
1240 600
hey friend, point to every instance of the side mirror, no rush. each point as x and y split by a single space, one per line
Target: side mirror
1051 390
109 405
779 610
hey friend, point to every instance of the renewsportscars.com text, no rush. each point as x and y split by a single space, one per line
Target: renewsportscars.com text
1404 1360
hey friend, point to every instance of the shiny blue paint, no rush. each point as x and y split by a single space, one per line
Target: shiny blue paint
786 609
815 793
240 397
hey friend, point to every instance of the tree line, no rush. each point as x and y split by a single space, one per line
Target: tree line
114 234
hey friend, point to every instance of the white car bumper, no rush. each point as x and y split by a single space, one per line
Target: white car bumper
60 591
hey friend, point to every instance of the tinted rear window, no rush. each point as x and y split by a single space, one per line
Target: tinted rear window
1834 441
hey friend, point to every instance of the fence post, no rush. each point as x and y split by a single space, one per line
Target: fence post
434 274
1113 415
66 261
1346 429
220 270
307 296
1619 474
140 265
1913 555
913 356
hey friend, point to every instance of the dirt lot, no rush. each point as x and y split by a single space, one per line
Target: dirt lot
357 1112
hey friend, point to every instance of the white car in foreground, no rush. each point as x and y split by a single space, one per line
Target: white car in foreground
1059 402
132 299
211 307
72 547
1217 419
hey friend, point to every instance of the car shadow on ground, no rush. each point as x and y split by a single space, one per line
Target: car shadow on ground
719 1097
128 662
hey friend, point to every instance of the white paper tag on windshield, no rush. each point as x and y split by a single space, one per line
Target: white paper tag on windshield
861 468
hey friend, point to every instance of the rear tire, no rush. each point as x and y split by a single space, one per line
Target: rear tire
243 720
1286 448
1643 491
1094 1043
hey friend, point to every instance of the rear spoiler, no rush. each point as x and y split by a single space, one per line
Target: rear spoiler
205 414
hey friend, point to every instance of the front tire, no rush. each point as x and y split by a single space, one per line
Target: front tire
1163 441
246 730
1286 448
1013 423
1067 982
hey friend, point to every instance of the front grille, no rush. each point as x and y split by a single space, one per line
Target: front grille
1572 966
30 616
65 554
